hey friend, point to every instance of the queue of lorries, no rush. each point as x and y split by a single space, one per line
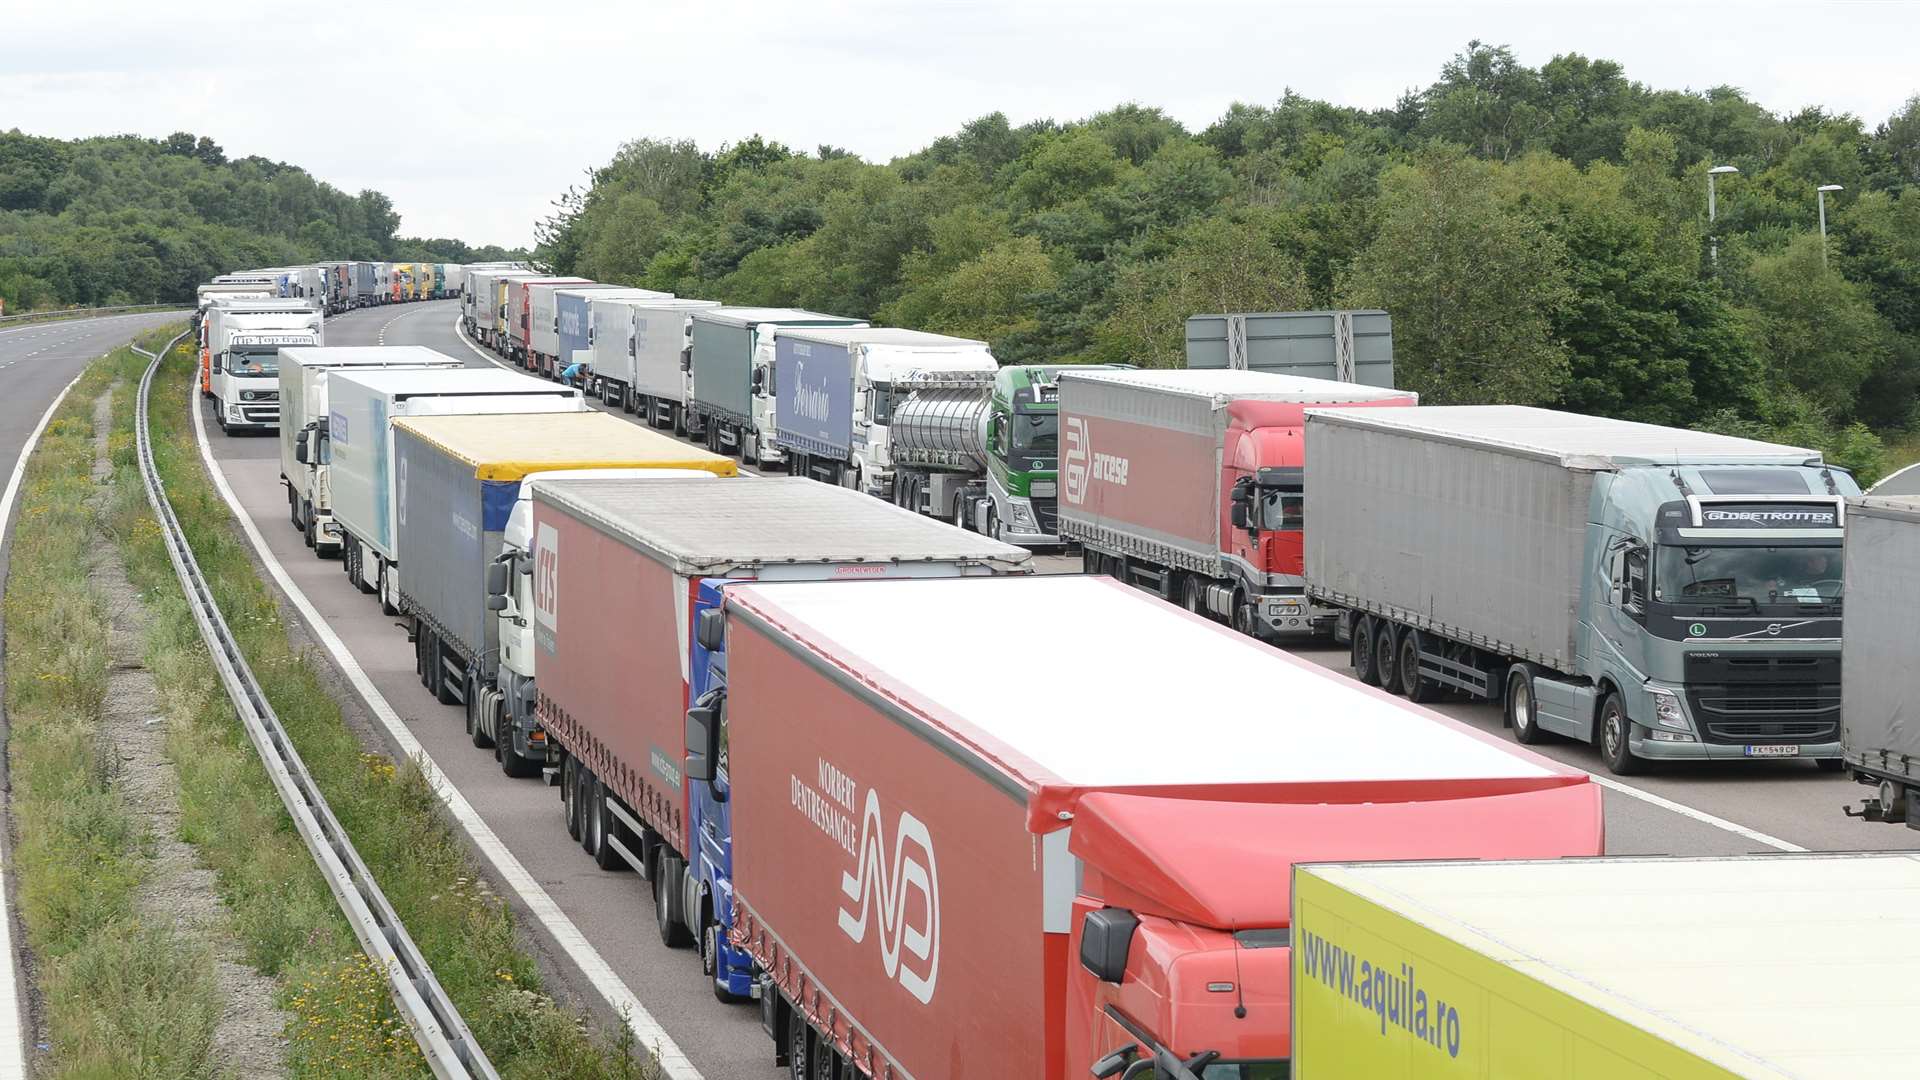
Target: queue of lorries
939 816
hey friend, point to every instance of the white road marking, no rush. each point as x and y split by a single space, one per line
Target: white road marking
1700 816
13 1065
647 1031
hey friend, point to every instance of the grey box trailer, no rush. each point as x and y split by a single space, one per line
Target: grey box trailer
1345 346
638 345
1880 683
1609 581
719 401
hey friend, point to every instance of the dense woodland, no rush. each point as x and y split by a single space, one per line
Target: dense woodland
1539 235
122 219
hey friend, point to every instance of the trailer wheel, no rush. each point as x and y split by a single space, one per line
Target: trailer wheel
1386 655
604 823
1522 711
799 1047
312 531
1417 687
293 509
585 795
826 1061
382 584
960 511
1194 596
1615 731
518 765
570 796
1362 655
477 734
667 901
445 689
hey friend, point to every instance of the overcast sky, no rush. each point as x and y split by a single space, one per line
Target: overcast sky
472 115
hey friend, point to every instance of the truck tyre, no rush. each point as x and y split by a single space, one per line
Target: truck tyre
475 732
1386 655
586 793
444 688
1615 732
710 962
518 765
604 823
667 900
311 529
569 805
381 583
1412 683
293 510
799 1046
960 512
1522 710
1193 597
826 1063
430 670
1364 630
993 523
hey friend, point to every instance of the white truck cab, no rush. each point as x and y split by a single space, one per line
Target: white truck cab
243 346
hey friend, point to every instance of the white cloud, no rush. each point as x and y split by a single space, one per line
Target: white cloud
474 115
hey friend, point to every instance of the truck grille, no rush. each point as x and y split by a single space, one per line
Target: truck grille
261 414
1745 699
1048 511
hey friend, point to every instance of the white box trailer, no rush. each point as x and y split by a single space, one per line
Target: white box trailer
573 326
543 321
638 347
361 406
303 424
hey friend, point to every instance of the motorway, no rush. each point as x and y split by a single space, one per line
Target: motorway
37 363
1681 810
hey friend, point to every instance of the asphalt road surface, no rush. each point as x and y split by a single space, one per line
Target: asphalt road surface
1670 811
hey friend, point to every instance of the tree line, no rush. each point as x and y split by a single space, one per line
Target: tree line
124 219
1540 236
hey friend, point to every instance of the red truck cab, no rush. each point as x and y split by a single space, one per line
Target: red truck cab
1189 944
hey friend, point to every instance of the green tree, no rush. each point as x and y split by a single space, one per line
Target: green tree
1217 264
1817 332
1473 286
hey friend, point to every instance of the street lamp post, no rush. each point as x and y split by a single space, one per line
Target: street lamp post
1820 193
1713 235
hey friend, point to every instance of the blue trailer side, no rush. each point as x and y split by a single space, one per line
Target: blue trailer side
813 397
571 319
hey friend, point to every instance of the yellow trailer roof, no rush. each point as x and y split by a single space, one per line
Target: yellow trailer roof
1771 966
511 445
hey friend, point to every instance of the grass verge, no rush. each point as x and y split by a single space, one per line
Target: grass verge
343 1024
120 996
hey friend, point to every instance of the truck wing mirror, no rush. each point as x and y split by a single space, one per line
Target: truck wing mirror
300 446
759 379
1242 490
1239 514
1105 937
710 632
703 736
498 572
496 602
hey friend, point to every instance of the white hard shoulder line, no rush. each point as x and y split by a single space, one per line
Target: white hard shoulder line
1700 816
647 1031
13 1063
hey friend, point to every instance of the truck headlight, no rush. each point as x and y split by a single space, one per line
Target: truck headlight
1666 710
1022 516
233 413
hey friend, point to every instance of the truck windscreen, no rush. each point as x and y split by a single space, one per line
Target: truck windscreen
243 364
1760 575
1036 434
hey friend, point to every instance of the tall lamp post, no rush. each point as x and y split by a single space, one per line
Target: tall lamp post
1713 211
1820 193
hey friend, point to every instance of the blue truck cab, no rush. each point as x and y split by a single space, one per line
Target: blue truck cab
710 877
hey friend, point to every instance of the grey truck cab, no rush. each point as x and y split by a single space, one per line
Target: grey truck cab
1663 593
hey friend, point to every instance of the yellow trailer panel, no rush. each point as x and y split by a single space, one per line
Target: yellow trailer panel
509 446
1781 966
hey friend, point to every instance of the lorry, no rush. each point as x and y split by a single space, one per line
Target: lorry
455 284
620 570
363 288
503 316
946 864
639 355
465 477
1762 966
1344 346
824 397
480 307
1188 484
573 326
1663 593
243 340
305 454
1878 679
986 456
725 344
519 316
365 481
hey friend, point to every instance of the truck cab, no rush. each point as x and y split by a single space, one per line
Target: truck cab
1712 609
1023 458
709 900
242 358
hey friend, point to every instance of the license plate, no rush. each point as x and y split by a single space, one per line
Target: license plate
1773 750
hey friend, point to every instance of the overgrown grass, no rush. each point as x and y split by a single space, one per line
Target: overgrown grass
343 1024
121 997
